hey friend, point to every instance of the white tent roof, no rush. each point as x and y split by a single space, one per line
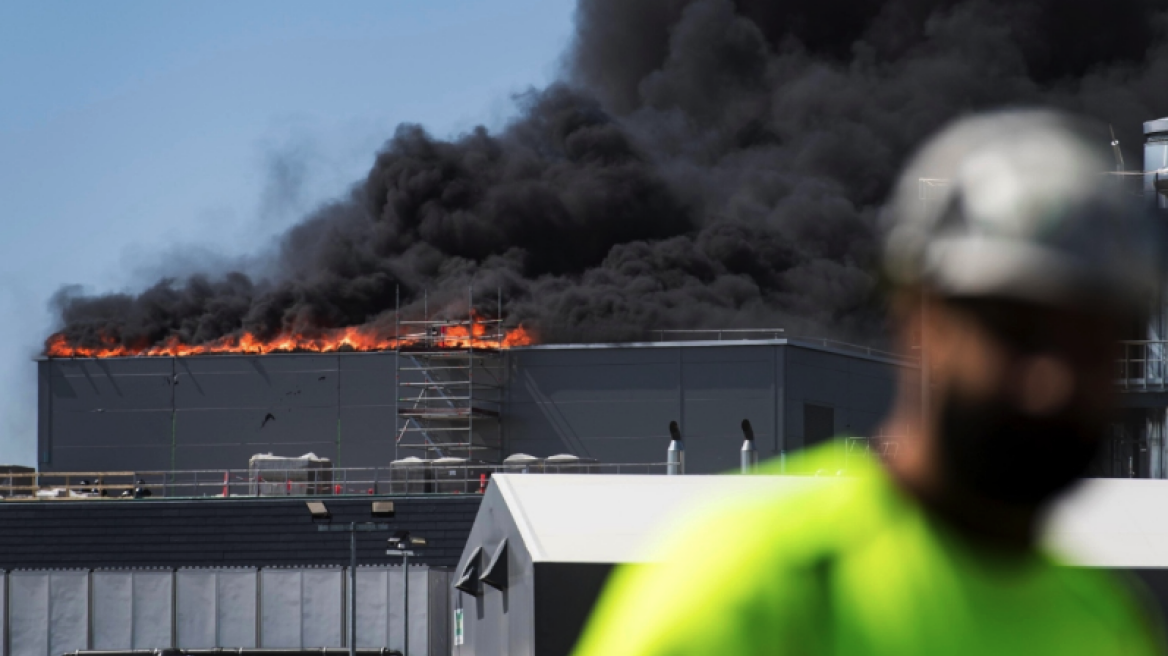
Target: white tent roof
616 518
1113 522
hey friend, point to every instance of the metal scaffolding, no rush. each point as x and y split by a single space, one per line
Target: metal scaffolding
449 375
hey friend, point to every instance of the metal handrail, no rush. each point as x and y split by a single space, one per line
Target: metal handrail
289 482
1142 365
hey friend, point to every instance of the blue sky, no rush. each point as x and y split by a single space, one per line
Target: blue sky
140 137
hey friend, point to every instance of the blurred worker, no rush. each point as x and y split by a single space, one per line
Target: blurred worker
1015 282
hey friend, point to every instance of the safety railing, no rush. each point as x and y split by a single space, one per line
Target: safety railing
338 481
1142 366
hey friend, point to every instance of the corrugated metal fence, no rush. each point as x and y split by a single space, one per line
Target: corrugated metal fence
50 612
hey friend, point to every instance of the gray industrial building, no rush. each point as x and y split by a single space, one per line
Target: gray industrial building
611 402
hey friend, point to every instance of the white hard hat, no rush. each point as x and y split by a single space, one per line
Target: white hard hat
1020 205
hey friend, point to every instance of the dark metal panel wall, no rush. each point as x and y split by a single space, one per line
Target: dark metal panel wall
721 387
44 413
107 415
367 409
613 404
230 408
859 391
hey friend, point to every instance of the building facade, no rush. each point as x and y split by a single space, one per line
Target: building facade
612 403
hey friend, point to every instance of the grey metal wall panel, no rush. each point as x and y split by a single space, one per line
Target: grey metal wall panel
28 620
367 379
248 426
438 612
263 365
419 606
44 421
235 607
97 430
153 603
419 611
110 458
321 616
195 612
113 610
367 436
721 387
300 608
372 607
3 613
68 612
860 391
312 388
111 385
279 608
585 381
216 608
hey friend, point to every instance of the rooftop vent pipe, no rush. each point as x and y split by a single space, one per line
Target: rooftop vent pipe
675 457
1156 160
749 453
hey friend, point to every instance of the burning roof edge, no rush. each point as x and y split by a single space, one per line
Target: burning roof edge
813 343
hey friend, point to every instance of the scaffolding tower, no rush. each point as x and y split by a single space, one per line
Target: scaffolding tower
449 375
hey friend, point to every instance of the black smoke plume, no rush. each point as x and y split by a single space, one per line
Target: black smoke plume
702 163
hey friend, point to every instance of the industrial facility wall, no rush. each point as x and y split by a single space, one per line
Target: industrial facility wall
615 404
214 412
221 532
52 612
612 403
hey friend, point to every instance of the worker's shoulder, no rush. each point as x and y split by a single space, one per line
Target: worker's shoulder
1106 595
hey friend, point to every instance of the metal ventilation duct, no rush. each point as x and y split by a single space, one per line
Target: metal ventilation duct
1156 160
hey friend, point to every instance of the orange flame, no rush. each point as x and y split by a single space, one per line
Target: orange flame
355 338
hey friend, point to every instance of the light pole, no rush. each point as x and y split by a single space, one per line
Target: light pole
380 508
400 545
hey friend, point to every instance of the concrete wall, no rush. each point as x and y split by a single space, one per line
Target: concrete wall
613 403
53 612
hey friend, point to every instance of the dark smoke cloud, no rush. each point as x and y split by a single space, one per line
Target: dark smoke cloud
703 163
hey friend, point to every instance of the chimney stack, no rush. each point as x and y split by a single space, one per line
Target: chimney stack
749 453
675 457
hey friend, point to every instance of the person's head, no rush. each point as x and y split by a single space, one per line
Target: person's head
1016 259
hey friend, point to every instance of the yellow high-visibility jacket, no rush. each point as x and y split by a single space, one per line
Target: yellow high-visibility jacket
856 567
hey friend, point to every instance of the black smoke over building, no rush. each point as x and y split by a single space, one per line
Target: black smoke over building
702 163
